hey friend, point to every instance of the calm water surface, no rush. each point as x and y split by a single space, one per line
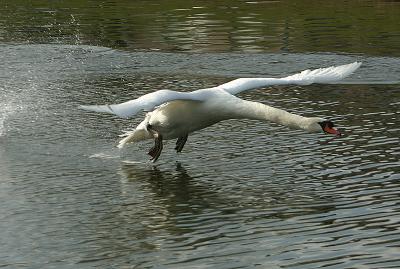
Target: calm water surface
243 194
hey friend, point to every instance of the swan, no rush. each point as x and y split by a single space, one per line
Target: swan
174 115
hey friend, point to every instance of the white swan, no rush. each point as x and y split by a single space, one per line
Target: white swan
177 114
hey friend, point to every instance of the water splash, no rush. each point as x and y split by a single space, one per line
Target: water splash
7 109
104 155
2 120
14 103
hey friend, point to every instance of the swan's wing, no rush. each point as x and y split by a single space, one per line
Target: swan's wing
146 102
306 77
150 101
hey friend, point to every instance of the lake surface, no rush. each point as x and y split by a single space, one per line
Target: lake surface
242 194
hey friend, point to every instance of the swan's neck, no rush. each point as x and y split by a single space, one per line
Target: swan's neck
258 111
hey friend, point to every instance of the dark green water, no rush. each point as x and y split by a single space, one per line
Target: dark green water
366 27
243 194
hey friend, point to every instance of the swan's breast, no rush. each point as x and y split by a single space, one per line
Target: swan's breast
178 118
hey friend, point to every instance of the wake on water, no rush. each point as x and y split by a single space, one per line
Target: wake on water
119 155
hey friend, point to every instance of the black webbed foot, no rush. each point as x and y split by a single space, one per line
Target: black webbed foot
155 151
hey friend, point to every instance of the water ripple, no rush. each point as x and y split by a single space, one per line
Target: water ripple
242 193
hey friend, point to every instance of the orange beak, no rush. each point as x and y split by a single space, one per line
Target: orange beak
332 130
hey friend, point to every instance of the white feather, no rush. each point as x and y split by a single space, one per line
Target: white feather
306 77
146 102
138 134
150 101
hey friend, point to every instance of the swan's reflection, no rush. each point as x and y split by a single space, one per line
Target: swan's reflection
163 198
173 194
164 208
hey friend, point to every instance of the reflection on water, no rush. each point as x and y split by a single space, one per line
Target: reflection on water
246 26
242 194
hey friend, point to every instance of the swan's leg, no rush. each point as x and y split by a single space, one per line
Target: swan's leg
155 151
181 142
152 150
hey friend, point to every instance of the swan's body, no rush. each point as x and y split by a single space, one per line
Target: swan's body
174 115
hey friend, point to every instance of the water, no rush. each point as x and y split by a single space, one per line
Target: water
243 194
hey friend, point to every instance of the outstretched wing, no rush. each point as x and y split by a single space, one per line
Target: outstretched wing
150 101
146 102
306 77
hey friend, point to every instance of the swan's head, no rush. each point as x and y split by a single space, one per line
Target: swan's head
319 124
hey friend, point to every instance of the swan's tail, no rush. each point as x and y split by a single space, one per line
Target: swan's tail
133 136
139 134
